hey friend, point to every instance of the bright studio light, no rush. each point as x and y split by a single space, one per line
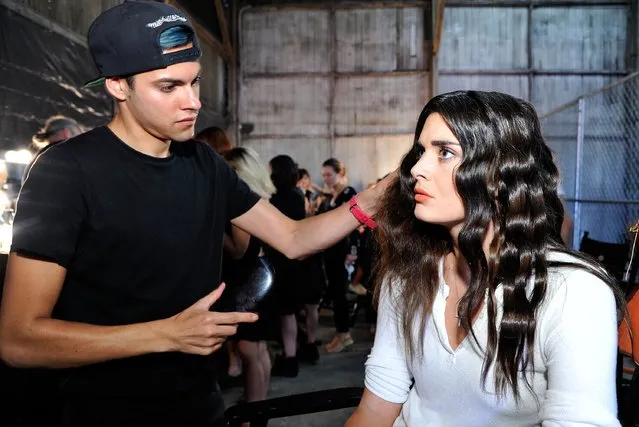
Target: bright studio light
18 156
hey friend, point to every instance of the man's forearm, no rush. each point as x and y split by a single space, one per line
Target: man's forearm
55 343
317 233
297 239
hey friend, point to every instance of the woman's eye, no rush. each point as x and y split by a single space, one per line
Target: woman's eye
446 154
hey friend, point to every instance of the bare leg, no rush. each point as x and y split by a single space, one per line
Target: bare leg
289 335
235 363
312 320
257 371
265 358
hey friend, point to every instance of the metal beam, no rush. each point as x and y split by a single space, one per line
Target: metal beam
328 74
323 5
409 133
589 94
537 3
632 37
438 26
523 72
224 28
604 202
45 22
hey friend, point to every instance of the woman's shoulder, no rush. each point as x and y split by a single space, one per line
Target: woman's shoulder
574 280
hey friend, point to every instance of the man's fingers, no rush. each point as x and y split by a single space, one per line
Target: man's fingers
233 318
223 331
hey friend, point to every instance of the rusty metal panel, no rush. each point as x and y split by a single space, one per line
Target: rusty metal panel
484 38
379 39
287 106
579 38
366 40
213 78
72 14
285 41
379 105
370 158
512 85
308 153
550 92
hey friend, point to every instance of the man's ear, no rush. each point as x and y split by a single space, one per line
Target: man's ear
117 88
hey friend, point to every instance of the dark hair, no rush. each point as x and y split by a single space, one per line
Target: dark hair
216 138
337 166
301 173
507 177
284 172
130 81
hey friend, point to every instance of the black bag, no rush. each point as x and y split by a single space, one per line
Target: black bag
253 285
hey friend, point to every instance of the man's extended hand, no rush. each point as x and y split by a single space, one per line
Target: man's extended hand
197 330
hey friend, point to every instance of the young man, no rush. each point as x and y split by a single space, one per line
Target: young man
118 239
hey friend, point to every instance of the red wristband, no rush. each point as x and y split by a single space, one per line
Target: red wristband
360 215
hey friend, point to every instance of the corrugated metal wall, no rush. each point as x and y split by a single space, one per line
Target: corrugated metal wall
547 52
347 83
353 79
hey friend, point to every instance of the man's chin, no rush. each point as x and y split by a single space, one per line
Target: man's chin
183 136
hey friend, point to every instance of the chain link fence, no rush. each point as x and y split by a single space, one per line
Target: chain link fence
596 141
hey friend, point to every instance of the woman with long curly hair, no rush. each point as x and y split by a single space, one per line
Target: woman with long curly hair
485 317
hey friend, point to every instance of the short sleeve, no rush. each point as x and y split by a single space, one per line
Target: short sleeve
51 208
239 197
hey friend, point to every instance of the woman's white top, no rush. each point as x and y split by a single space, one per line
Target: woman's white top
574 371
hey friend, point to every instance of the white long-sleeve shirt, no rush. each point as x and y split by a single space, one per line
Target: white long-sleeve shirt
574 371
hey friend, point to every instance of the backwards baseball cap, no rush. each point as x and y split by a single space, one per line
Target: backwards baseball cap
125 39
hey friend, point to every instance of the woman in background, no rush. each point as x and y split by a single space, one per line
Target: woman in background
337 256
216 138
241 251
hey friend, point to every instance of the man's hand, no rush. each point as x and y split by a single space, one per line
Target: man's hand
197 330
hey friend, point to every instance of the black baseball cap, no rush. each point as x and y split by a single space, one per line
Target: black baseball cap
125 39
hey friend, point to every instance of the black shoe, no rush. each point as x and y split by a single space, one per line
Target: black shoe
308 353
285 367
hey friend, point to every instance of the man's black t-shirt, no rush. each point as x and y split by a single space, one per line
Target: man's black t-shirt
141 239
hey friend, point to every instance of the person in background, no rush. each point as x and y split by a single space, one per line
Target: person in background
339 255
310 191
288 273
243 251
56 129
216 138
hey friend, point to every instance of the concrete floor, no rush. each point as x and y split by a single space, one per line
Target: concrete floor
344 369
